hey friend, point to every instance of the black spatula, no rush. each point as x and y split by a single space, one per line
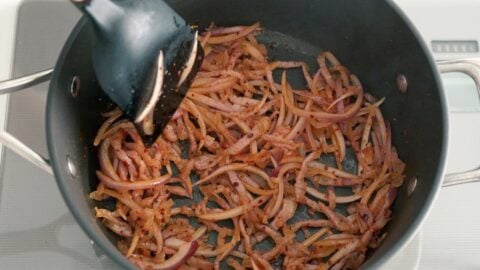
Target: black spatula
145 58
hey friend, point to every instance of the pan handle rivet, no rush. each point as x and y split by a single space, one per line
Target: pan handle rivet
402 83
411 185
75 86
72 169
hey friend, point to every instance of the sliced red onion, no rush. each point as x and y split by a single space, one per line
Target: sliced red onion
226 30
143 184
184 253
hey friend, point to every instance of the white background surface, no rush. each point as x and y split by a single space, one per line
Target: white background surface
450 238
8 17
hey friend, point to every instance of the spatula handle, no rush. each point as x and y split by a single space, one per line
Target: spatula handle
102 13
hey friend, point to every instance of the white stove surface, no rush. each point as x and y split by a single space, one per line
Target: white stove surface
38 232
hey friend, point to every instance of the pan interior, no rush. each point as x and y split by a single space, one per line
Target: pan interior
283 48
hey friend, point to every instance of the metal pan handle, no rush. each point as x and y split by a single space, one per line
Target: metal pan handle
10 141
10 86
471 67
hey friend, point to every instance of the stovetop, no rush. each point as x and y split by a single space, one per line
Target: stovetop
38 232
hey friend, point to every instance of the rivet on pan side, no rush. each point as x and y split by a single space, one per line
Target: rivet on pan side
402 84
411 185
75 86
72 169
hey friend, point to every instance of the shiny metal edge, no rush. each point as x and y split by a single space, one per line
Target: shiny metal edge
112 253
416 225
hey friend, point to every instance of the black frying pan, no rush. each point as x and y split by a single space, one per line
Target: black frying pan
373 38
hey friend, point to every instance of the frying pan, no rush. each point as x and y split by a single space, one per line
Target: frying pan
372 38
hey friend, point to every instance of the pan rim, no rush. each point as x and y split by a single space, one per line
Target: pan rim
57 167
415 226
